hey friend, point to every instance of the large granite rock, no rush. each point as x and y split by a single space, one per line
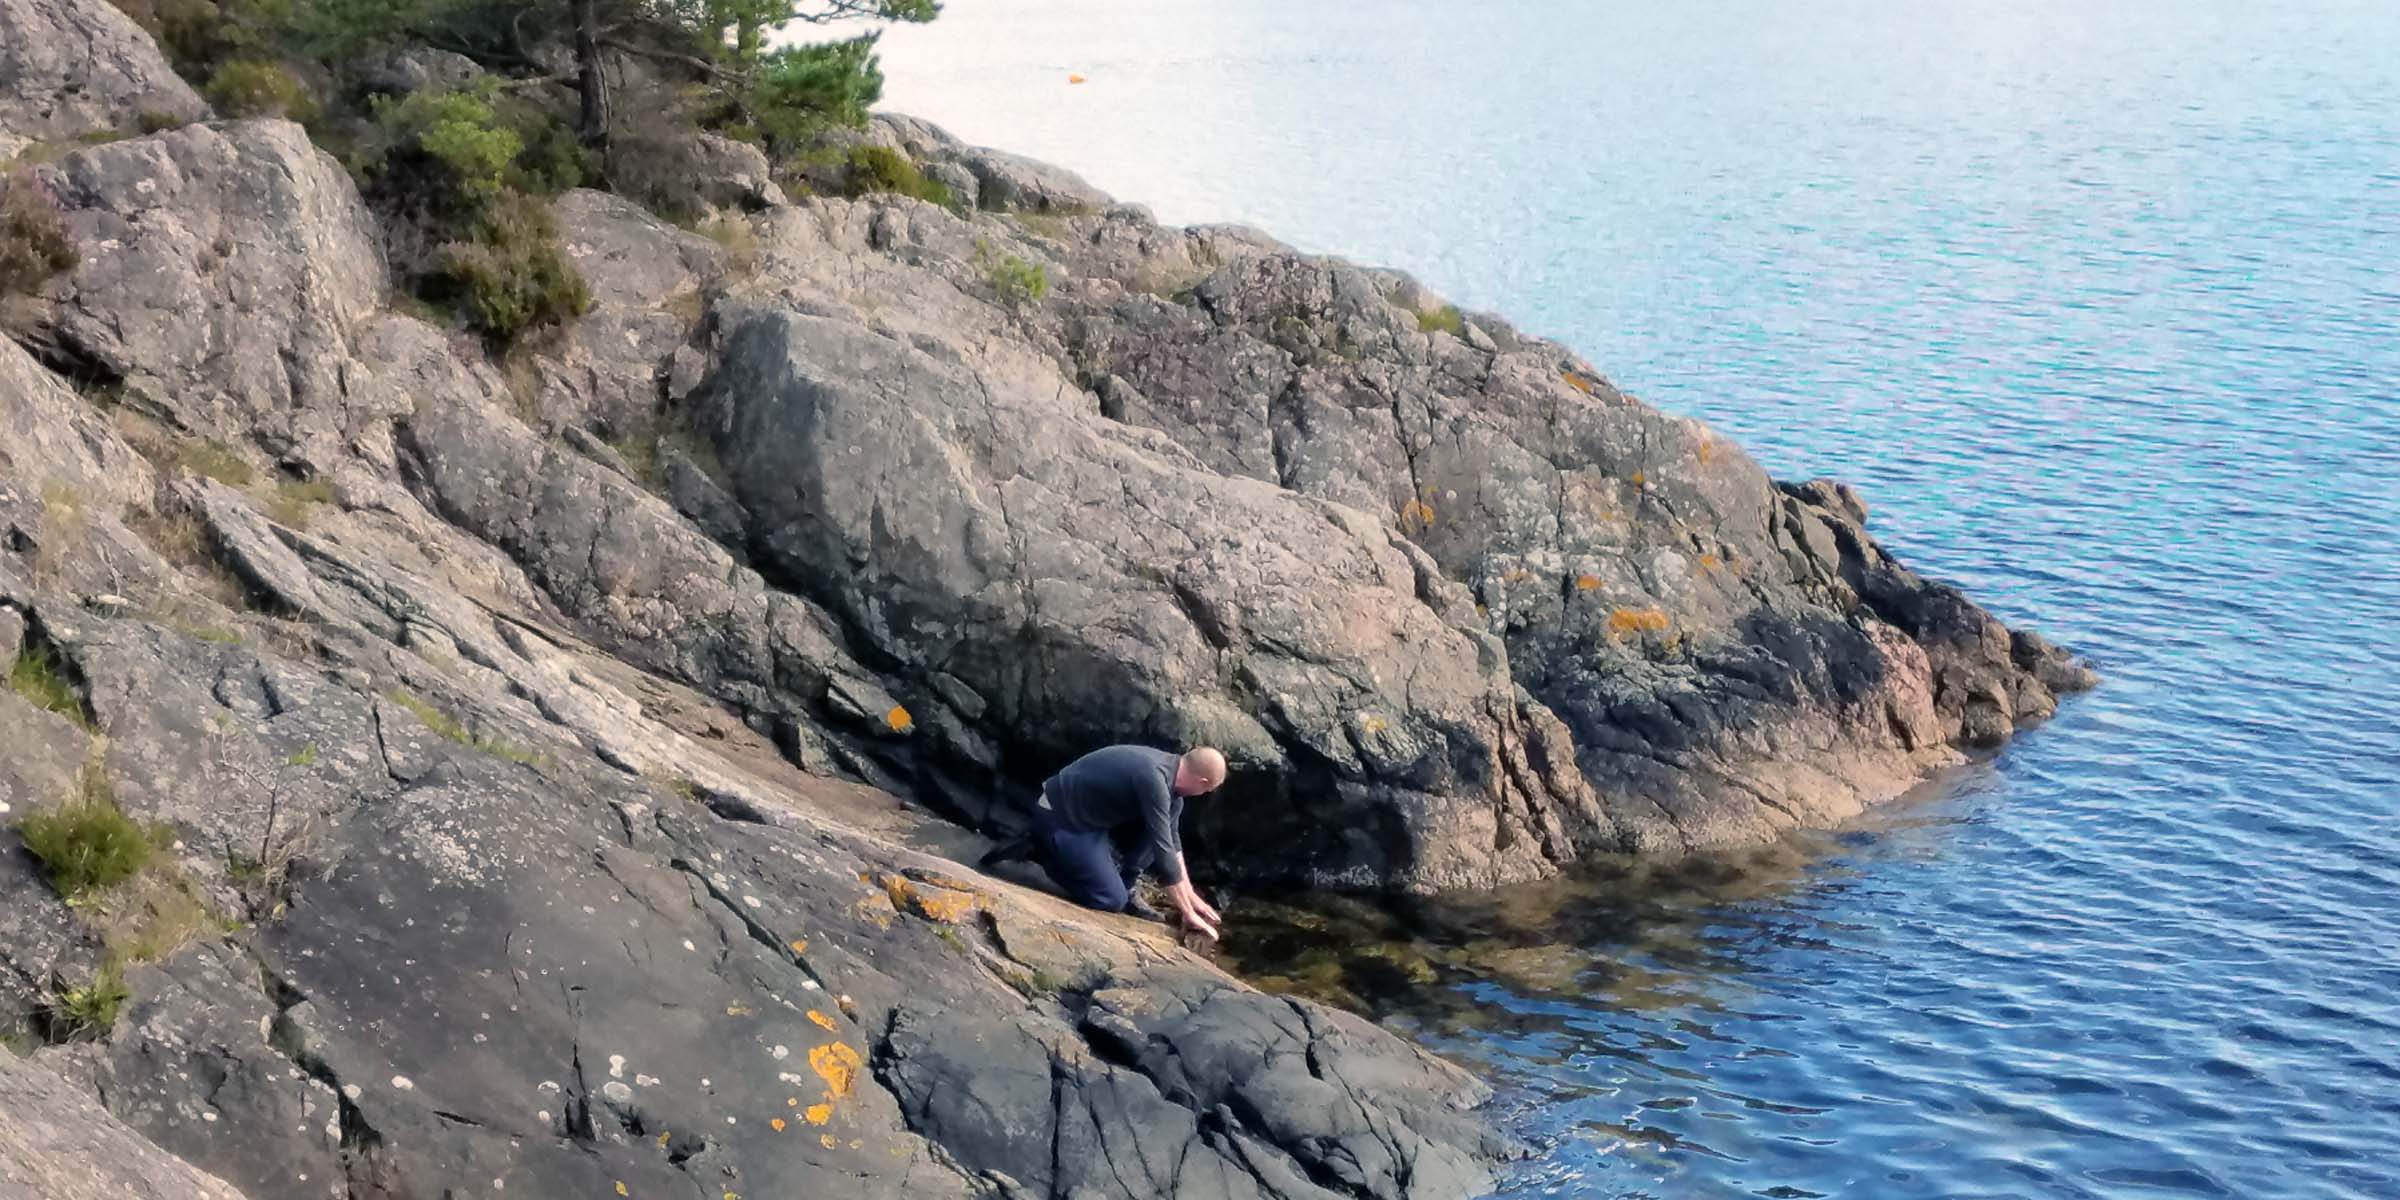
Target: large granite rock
59 1145
223 270
74 67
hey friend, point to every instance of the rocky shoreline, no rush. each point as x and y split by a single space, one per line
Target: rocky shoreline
562 757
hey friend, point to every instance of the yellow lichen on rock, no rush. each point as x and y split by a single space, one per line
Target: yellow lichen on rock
1625 622
838 1065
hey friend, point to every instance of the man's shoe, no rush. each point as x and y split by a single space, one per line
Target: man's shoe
1013 850
1135 907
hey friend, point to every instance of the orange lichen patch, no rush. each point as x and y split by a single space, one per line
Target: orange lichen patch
818 1114
1372 725
1706 451
791 1101
899 720
1587 583
1639 479
1578 382
1710 563
837 1064
1625 622
1516 575
799 945
1416 514
823 1022
947 905
776 1124
621 1188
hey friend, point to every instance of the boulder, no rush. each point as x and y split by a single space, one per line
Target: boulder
69 68
982 517
224 268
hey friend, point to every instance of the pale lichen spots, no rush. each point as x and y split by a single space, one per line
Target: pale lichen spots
781 1053
402 1083
616 1066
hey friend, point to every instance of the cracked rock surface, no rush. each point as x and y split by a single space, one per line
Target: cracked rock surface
560 768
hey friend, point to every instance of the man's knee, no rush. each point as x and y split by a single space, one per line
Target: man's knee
1107 895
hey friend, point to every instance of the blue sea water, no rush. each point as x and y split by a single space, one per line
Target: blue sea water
2098 302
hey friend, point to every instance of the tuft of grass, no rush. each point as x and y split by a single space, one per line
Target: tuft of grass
41 678
252 87
640 455
212 459
883 169
1445 319
1015 280
739 240
89 1010
33 237
66 528
87 844
699 450
452 729
294 503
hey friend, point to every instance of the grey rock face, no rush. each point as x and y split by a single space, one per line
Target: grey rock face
1003 182
223 269
1731 657
59 1145
954 499
72 67
645 276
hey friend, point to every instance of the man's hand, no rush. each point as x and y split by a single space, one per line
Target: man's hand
1197 915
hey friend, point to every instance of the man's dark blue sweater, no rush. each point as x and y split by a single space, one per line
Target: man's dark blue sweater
1112 788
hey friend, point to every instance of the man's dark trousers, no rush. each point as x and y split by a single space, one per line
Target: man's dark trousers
1094 867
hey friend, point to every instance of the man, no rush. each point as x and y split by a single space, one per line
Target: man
1114 813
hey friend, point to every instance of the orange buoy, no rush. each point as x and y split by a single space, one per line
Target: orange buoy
1074 79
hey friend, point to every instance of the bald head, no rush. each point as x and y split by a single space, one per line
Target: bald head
1199 772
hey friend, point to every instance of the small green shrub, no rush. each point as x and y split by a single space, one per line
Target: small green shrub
1445 319
33 238
89 1010
1016 280
882 169
513 276
444 153
151 120
295 501
88 844
41 679
255 87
